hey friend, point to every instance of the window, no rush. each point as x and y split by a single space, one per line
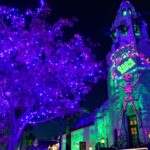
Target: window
114 34
133 131
124 12
124 30
133 122
136 30
130 11
82 145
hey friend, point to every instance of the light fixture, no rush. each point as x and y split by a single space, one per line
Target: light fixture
103 141
54 147
90 147
49 147
149 135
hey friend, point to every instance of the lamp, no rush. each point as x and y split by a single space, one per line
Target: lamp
90 147
103 141
49 147
149 135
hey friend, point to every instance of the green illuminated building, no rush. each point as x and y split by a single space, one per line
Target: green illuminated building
129 79
92 131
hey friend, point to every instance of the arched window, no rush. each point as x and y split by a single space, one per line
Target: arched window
130 11
124 30
136 29
124 12
114 34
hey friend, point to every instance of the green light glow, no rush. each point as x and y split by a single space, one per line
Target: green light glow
85 134
102 128
124 12
111 82
120 95
114 34
124 55
136 30
126 66
77 137
64 142
92 137
137 34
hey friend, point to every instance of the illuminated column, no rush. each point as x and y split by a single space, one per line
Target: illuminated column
102 125
68 134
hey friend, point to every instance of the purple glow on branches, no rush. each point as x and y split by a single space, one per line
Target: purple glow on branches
41 76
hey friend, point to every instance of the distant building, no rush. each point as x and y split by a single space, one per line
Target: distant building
90 131
124 120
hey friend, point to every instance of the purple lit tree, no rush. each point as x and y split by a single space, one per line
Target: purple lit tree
41 75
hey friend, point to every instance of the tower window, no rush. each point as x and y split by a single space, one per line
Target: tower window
129 10
124 12
114 34
136 30
124 30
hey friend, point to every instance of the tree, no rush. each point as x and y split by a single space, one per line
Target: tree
41 75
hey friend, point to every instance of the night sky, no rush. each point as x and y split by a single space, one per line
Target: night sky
94 20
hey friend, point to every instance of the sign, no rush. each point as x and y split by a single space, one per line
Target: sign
124 67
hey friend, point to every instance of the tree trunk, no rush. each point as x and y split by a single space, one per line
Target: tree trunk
68 134
11 143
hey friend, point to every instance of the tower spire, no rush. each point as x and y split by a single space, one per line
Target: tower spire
128 26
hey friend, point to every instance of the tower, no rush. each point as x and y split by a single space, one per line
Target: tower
129 78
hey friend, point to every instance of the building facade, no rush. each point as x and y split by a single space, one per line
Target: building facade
124 119
129 78
91 132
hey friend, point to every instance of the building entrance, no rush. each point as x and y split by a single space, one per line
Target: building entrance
133 131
